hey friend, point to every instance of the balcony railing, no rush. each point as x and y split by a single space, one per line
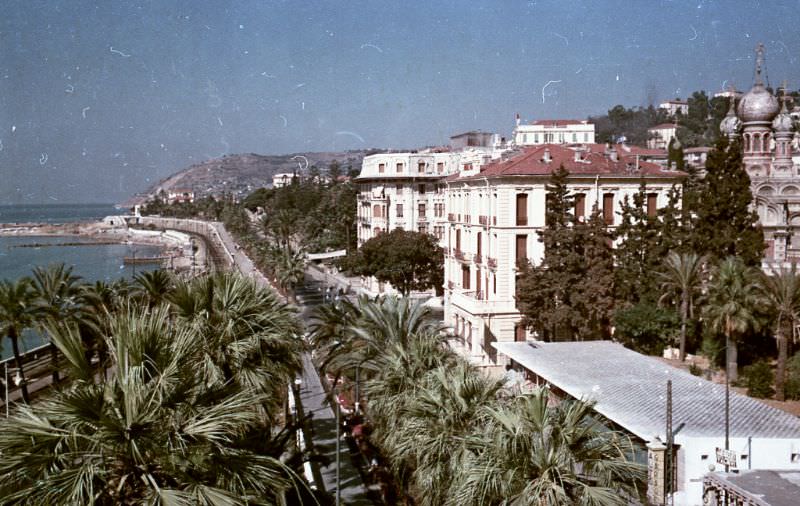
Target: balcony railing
467 218
451 217
477 258
422 217
474 294
483 220
491 262
458 254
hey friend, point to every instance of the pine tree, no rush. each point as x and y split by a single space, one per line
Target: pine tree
726 224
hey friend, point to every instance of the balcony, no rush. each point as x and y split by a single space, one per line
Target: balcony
451 217
491 262
483 220
458 254
477 258
422 217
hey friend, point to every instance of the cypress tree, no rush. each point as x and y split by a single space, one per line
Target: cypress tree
726 224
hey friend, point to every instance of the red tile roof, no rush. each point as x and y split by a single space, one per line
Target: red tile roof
629 150
559 122
530 162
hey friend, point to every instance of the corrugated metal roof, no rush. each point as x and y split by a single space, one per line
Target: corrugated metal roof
630 390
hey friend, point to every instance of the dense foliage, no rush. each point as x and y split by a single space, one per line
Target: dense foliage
189 412
406 259
452 436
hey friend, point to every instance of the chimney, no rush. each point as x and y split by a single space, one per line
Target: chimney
517 119
546 158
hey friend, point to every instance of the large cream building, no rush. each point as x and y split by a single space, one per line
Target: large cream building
406 189
494 217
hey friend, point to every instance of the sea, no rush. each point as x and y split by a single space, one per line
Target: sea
91 262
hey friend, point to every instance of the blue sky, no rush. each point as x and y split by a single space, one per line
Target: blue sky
98 99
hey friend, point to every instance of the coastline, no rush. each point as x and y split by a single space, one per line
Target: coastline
174 245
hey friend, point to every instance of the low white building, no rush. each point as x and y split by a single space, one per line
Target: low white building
630 391
554 131
494 217
661 135
282 179
177 195
674 107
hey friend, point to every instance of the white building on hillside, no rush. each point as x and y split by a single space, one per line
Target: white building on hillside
282 179
674 107
553 131
494 218
660 135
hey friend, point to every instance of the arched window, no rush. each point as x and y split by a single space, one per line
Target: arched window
746 143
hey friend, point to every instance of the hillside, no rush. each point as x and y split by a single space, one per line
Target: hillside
242 173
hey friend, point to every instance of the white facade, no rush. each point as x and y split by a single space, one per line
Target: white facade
673 107
661 135
485 236
406 191
282 179
558 131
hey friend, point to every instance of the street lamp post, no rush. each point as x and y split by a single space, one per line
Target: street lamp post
338 452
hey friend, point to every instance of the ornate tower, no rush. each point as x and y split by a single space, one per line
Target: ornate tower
731 125
757 108
782 127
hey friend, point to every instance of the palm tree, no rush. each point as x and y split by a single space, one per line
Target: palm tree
731 306
538 453
428 438
154 432
682 274
17 312
153 286
290 270
781 290
60 297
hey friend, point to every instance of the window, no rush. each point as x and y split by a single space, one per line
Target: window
524 138
376 211
519 333
608 208
422 209
400 167
421 189
458 240
422 229
381 167
494 283
651 204
536 138
580 207
478 244
477 282
465 277
585 137
574 137
522 209
399 210
522 247
440 167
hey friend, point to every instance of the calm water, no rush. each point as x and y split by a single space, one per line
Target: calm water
56 213
92 263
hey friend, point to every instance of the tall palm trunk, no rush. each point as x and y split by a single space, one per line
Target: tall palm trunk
732 360
14 338
684 317
783 355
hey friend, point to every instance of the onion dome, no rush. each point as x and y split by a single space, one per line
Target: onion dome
730 124
783 122
758 104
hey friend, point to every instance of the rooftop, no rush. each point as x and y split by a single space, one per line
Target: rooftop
663 126
773 488
630 390
592 161
559 122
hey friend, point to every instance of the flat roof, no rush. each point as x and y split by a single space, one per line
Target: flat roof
630 390
773 488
